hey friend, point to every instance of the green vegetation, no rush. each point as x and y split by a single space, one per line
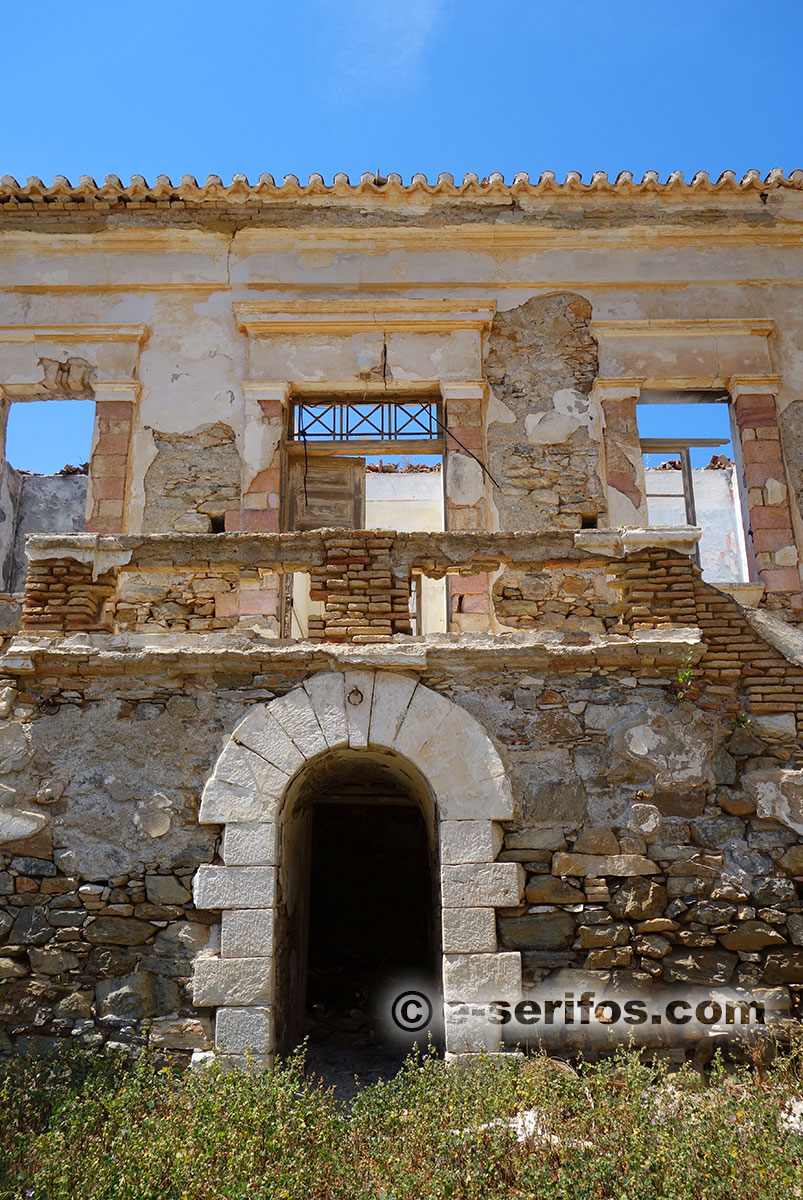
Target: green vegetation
84 1126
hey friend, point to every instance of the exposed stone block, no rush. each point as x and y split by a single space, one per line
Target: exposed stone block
469 930
473 978
614 864
244 769
249 844
222 802
263 734
247 933
240 1030
234 887
232 982
358 689
296 715
480 885
469 841
326 696
391 698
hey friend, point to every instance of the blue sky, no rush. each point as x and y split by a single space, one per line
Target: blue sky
397 85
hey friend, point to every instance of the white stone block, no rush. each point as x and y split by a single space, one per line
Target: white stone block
468 930
358 691
245 769
489 799
239 1030
472 978
482 885
247 932
426 712
326 696
265 736
295 714
234 887
470 1033
392 696
469 841
222 802
462 748
232 981
464 769
250 844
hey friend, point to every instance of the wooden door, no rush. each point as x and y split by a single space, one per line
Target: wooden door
326 493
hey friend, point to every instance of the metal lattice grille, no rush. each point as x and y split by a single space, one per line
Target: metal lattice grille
385 421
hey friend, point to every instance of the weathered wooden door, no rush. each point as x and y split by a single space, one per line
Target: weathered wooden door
332 497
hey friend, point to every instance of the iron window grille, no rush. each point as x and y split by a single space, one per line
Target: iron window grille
366 421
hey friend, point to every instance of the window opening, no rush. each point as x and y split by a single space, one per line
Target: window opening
44 477
50 437
691 477
402 492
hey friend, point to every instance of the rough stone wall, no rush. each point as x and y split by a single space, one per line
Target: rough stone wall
543 445
661 841
97 927
194 476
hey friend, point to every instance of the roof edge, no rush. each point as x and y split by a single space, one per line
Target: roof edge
391 187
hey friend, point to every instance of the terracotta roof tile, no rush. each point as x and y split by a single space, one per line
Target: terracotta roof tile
471 188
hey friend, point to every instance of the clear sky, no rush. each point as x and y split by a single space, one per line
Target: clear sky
195 87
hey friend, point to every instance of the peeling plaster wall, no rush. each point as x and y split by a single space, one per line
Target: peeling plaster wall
541 363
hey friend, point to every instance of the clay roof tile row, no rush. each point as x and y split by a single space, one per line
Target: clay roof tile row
494 187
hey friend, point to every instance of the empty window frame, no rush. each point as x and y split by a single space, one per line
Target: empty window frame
691 476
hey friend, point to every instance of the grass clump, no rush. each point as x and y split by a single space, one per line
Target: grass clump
85 1127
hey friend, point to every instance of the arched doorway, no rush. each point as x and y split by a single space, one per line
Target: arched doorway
439 758
358 899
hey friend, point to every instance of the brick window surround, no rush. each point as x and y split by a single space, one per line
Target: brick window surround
109 460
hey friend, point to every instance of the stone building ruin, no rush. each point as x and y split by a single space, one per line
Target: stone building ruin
368 642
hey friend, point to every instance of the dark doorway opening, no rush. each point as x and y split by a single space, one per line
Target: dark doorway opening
358 914
371 917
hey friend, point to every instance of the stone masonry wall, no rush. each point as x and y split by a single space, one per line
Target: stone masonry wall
194 477
543 446
661 840
656 589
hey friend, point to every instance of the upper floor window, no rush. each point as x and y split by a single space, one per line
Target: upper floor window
691 476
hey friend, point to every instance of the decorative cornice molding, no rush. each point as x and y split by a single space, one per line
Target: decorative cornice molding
346 316
685 327
72 333
754 385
